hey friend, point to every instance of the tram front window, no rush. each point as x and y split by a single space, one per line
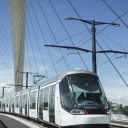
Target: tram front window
87 92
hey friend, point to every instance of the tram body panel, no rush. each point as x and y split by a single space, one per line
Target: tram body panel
66 118
57 105
92 119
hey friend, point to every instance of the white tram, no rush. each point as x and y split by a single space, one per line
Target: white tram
74 99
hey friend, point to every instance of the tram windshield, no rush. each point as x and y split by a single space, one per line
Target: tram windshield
87 92
82 92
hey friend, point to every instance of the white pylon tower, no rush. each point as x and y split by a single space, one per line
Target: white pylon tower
17 16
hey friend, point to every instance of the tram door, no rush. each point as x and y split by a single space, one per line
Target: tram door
47 104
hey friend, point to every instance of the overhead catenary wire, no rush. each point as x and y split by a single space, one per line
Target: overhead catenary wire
112 59
100 31
126 12
114 66
117 44
122 15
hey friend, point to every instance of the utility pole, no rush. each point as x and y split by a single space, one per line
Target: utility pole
93 23
3 91
94 65
27 73
26 79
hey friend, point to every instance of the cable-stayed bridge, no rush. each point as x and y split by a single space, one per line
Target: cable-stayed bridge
28 27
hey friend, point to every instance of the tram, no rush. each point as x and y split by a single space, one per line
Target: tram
73 99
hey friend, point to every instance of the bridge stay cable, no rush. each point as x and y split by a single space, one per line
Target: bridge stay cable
42 59
55 39
67 33
115 13
42 33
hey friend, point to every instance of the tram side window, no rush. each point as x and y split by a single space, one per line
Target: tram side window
17 102
33 100
12 101
46 91
6 103
23 101
41 98
65 95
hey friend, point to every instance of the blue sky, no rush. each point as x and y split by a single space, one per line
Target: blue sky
113 85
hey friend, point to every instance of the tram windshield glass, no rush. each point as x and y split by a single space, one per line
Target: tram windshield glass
82 91
87 92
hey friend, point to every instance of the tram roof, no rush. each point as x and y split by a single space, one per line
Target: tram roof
62 75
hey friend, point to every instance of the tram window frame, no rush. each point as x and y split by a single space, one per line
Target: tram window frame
33 97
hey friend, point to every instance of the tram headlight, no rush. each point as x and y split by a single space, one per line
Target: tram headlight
77 112
109 112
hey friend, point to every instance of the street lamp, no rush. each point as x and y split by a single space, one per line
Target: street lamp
93 23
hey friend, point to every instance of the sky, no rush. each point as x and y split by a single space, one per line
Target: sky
42 26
